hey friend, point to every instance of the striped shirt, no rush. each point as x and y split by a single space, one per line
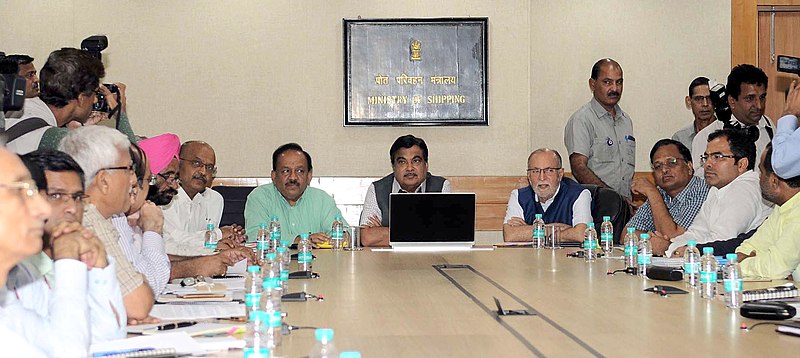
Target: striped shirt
127 276
683 207
146 251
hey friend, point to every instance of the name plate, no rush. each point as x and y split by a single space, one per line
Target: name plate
415 72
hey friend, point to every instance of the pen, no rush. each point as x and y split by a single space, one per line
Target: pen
176 325
124 351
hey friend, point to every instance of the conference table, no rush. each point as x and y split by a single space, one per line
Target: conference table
442 304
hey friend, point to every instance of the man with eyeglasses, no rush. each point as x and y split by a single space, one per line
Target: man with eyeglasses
104 155
299 208
675 198
195 204
68 82
560 200
747 97
409 157
60 181
599 135
734 205
699 101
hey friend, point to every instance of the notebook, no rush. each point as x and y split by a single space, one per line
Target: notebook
432 220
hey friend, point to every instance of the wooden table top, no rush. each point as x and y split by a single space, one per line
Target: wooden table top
397 304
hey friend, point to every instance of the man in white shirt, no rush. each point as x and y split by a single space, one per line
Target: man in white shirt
747 97
560 200
409 157
22 215
734 204
195 205
60 180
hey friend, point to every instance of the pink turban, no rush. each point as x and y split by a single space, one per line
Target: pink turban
160 150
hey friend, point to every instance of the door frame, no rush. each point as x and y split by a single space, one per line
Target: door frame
744 28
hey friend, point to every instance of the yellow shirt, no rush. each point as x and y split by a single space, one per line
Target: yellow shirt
776 243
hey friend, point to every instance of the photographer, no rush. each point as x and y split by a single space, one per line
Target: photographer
26 70
68 82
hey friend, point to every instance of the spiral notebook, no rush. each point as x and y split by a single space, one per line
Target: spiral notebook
135 353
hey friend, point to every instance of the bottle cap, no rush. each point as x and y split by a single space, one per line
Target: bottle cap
631 229
708 250
280 250
350 355
304 236
323 334
692 243
285 243
253 268
209 226
591 225
606 218
271 256
274 217
644 236
731 257
538 216
262 226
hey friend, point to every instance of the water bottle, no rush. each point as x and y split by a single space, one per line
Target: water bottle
304 256
732 281
324 347
538 232
691 264
631 249
708 274
252 286
590 243
337 233
271 269
607 235
284 258
645 255
274 233
255 336
262 242
271 305
211 239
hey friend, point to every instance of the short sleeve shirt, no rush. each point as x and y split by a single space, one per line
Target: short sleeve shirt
685 135
607 141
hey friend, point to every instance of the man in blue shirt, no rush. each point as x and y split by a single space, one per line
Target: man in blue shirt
786 144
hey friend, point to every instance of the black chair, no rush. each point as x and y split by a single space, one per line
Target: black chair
235 198
606 202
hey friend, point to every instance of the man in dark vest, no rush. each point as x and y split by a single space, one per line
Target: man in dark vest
409 158
561 201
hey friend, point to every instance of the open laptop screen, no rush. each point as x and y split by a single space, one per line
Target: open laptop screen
432 217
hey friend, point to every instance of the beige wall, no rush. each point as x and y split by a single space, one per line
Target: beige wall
247 76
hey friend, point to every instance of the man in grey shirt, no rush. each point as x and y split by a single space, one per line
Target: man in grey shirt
699 101
599 135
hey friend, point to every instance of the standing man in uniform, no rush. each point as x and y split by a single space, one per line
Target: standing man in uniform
599 135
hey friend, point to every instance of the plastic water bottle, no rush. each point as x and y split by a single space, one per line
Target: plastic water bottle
304 256
211 237
732 281
271 305
645 255
274 233
255 337
262 242
691 264
337 233
708 274
252 285
590 243
324 347
631 248
284 258
538 232
271 270
607 235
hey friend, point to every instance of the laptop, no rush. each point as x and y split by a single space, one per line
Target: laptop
432 221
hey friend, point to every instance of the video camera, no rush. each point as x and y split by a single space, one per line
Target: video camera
11 85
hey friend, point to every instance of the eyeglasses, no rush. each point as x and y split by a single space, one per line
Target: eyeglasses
716 157
286 171
27 188
211 168
169 178
546 171
129 168
64 198
669 163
